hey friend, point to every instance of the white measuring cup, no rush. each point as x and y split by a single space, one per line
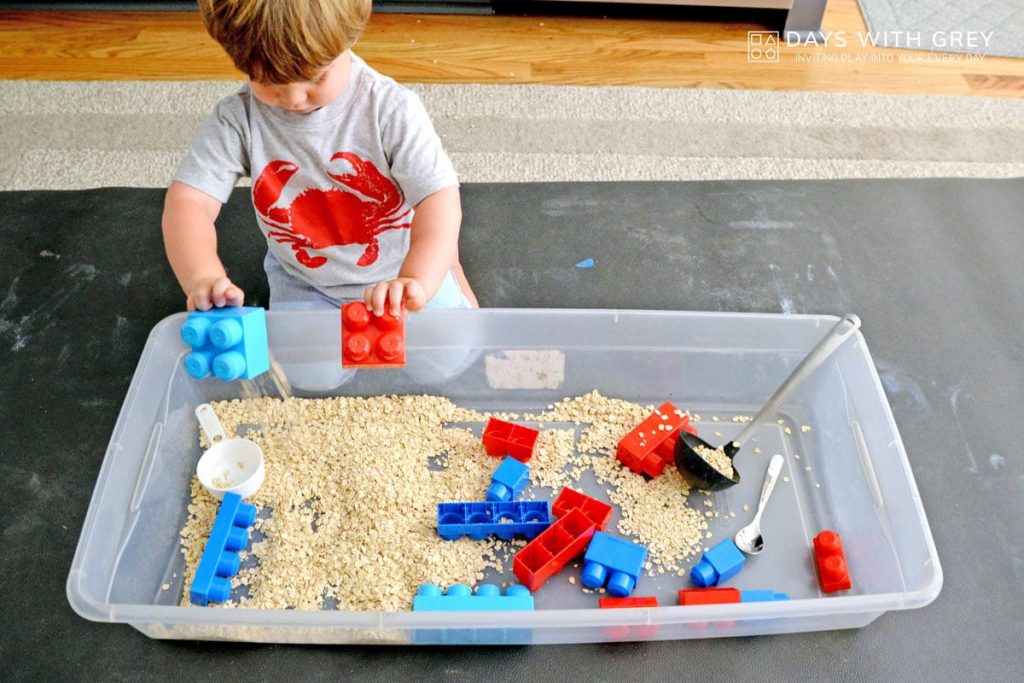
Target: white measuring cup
228 465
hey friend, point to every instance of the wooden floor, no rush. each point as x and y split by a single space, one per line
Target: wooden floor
487 49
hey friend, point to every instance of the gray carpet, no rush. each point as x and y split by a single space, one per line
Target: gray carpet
74 135
997 26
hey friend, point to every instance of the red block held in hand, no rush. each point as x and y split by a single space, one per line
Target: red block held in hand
371 341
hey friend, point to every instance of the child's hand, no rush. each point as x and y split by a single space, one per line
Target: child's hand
214 291
402 291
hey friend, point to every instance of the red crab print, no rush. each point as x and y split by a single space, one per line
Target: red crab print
317 219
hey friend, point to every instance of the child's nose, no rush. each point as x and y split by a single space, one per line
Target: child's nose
293 100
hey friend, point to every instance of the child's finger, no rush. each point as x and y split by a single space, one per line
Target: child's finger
415 296
201 298
377 297
235 296
218 292
396 292
226 293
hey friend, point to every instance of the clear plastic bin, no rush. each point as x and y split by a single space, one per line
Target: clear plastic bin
859 483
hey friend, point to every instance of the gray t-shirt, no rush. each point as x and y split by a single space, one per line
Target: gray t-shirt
333 189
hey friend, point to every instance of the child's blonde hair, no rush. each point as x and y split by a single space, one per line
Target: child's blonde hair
284 41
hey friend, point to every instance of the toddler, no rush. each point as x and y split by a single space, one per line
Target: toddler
353 192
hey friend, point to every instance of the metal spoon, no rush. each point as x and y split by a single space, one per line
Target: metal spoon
699 471
749 539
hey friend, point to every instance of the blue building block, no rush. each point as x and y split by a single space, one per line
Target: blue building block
509 480
762 596
719 564
460 598
613 561
473 636
230 343
478 520
220 559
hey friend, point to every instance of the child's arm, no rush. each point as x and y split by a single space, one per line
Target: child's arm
191 243
433 249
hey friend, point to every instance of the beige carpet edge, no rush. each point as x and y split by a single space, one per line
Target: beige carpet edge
541 101
86 170
74 135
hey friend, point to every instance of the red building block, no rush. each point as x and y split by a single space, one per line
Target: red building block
708 596
369 340
544 556
617 632
596 511
628 631
622 603
833 574
651 445
579 516
503 438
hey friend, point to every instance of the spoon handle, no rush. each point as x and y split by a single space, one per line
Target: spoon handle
774 468
821 351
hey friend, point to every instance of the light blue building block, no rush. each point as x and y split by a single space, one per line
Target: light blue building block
472 636
220 559
230 343
479 520
719 564
613 561
762 596
509 480
460 598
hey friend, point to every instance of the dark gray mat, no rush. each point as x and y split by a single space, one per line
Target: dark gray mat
932 266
